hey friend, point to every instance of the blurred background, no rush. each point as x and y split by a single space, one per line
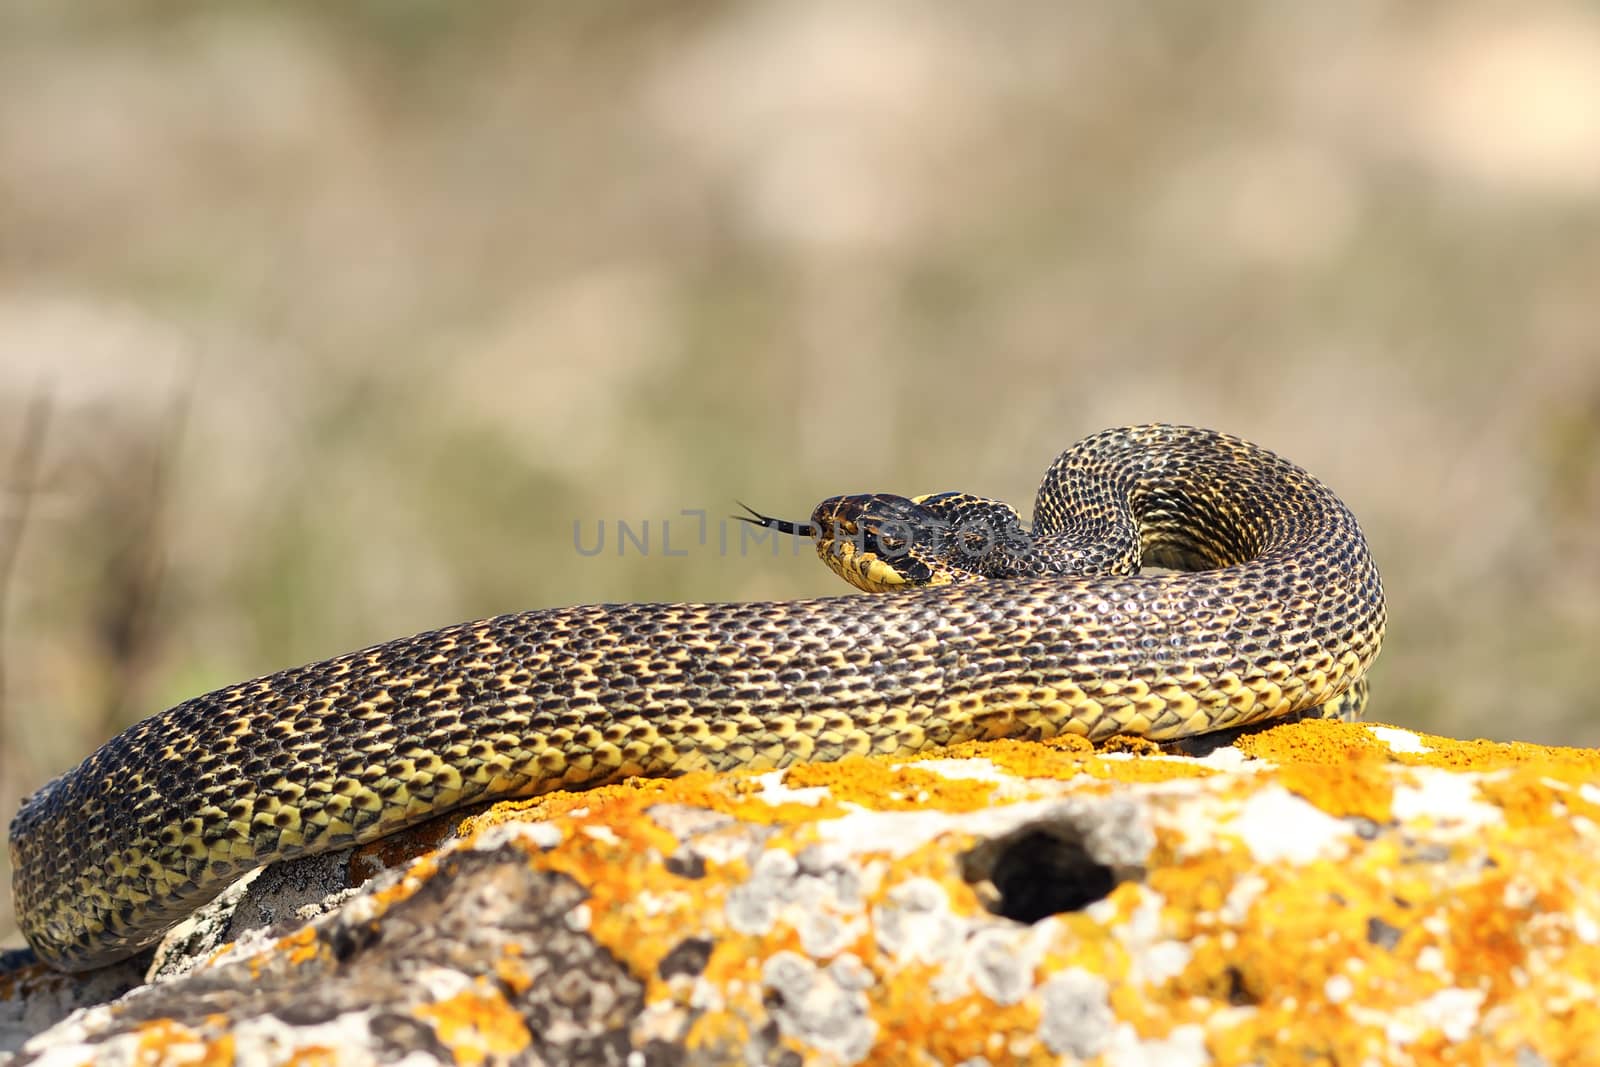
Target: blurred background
323 324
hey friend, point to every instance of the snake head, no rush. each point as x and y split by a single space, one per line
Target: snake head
879 542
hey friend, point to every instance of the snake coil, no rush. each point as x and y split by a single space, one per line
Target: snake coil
1288 618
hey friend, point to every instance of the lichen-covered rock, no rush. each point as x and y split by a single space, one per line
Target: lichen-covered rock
1317 892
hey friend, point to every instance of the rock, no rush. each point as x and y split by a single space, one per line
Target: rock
1316 892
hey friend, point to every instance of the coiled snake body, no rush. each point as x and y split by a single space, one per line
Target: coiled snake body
161 818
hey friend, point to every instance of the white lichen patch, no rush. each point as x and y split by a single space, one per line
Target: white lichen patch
1279 827
1447 798
1399 740
1184 1046
540 835
1153 956
898 833
1228 758
773 790
1075 1017
817 894
963 770
822 1007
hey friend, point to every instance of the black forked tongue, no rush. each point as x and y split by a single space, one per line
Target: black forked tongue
755 518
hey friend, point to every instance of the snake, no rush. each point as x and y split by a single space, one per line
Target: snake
1269 605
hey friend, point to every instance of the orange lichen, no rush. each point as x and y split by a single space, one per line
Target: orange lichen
1314 955
616 852
737 793
744 798
1305 929
1495 925
1576 765
1023 759
302 946
417 873
915 1028
885 786
1326 954
558 803
1361 787
509 970
1130 771
1068 745
1321 741
1525 797
477 1024
171 1043
1066 758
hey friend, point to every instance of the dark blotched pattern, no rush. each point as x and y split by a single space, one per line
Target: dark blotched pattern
166 814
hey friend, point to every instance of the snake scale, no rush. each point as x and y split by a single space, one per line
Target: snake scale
1286 619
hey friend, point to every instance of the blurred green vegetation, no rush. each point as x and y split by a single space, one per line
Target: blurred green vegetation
345 314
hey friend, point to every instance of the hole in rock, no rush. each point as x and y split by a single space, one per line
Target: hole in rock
1038 870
